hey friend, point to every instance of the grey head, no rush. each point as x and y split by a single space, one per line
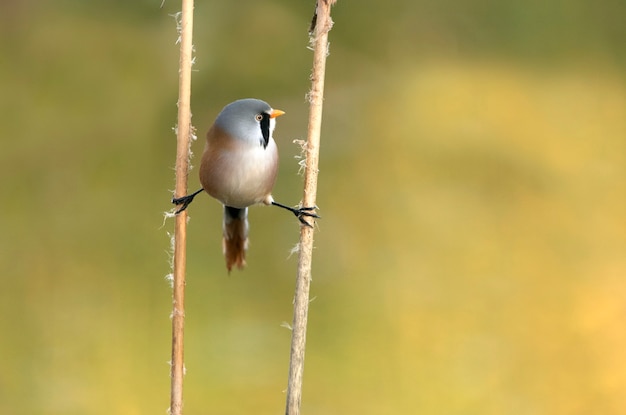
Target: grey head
250 120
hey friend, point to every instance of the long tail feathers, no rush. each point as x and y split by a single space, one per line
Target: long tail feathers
235 242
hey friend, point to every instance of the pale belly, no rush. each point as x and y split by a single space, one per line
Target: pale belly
240 178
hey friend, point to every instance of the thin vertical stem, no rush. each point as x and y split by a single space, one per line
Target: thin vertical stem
322 24
183 140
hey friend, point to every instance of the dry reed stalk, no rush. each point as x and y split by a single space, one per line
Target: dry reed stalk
320 26
183 141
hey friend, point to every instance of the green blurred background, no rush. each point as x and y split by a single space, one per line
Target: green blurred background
471 258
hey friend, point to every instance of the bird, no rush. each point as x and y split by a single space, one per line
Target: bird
239 167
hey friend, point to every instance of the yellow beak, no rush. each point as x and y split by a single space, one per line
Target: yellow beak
276 113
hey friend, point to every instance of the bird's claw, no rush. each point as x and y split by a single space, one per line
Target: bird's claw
184 201
301 212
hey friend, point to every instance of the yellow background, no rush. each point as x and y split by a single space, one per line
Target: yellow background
471 258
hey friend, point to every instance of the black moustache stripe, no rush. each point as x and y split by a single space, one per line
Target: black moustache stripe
265 129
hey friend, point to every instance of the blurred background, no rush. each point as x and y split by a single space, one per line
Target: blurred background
471 258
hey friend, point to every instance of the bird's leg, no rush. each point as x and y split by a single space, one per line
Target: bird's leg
185 201
300 212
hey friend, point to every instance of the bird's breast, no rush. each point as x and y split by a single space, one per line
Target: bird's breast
238 173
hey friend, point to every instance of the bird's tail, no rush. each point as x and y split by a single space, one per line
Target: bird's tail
235 242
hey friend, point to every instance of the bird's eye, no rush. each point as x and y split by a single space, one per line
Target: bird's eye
258 117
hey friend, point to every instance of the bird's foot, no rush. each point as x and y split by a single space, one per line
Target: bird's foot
300 212
184 201
305 211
